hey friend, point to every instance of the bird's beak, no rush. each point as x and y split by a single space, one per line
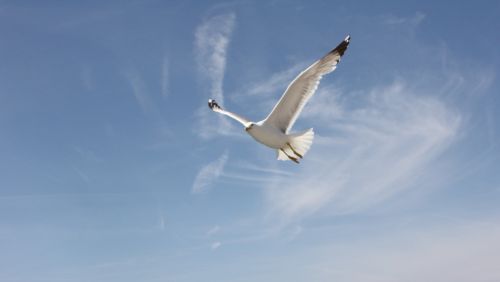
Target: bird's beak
248 127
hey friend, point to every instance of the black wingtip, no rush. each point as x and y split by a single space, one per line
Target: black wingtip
212 104
342 46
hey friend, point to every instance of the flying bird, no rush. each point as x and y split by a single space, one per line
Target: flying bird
274 130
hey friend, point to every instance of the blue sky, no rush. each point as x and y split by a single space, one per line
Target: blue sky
113 168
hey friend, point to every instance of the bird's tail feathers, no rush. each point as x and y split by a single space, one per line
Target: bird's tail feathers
301 142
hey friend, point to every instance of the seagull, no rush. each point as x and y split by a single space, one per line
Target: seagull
274 130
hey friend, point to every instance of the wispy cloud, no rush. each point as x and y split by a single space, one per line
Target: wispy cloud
87 78
209 174
164 77
141 93
276 82
265 93
215 245
213 230
162 133
379 149
396 20
250 168
87 154
247 174
212 39
82 175
326 105
162 224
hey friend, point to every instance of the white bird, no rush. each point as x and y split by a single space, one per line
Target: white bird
273 131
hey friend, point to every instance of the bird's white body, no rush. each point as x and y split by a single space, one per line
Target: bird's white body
268 135
273 131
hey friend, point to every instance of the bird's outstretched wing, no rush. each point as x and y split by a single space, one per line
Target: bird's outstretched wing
298 92
212 104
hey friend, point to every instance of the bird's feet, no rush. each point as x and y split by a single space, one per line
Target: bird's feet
295 152
294 159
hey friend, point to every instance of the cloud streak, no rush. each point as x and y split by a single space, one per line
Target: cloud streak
141 93
265 93
276 83
215 245
212 39
413 21
164 77
209 174
213 230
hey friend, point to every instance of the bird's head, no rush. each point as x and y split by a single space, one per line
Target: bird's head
249 127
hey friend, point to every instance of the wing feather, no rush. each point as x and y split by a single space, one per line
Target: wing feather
301 89
212 104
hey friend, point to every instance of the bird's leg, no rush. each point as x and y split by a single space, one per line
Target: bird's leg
293 150
290 157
